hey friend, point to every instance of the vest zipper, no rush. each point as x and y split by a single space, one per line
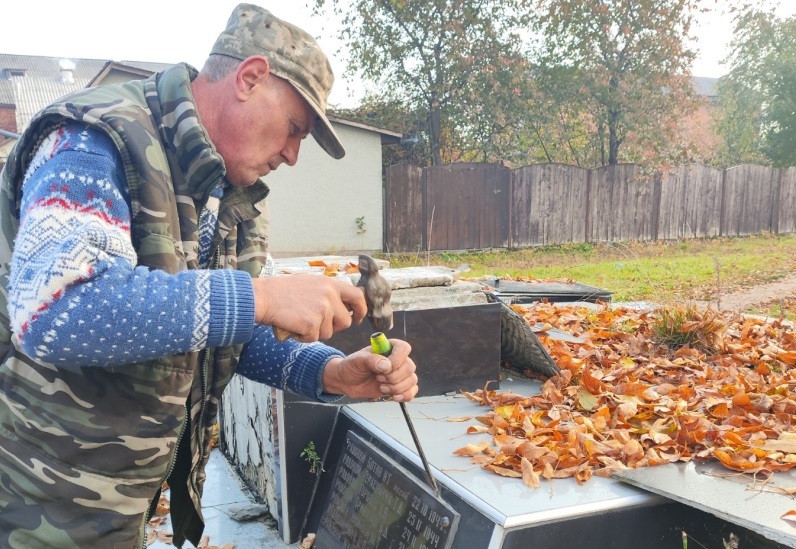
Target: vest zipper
168 472
201 444
205 391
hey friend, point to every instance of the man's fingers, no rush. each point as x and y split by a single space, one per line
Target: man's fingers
342 317
401 386
407 395
354 299
401 380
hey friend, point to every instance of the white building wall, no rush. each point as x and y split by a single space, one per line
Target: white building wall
314 204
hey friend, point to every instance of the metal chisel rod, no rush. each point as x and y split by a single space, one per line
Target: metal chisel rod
420 452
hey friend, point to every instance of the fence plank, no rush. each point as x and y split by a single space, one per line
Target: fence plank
404 223
787 203
549 205
621 204
469 205
749 199
690 203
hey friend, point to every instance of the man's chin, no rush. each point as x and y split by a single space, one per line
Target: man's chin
243 182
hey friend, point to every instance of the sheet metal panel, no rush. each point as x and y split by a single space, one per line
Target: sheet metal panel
730 497
508 502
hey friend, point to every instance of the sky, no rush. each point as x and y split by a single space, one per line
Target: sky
170 31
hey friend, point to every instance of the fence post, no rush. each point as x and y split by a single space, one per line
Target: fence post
385 209
511 208
657 184
588 206
424 243
774 218
722 216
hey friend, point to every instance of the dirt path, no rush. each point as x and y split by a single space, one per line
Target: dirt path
782 289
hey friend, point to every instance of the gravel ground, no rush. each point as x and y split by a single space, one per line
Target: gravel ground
782 290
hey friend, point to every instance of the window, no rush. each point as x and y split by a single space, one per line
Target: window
13 73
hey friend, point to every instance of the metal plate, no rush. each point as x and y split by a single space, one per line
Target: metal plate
374 502
728 497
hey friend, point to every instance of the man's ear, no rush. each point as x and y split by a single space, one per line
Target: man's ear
252 72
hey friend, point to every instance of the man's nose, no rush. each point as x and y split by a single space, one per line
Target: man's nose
291 151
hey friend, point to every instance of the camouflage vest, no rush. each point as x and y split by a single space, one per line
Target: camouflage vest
86 449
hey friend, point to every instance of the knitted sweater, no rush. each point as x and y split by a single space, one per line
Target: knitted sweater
76 295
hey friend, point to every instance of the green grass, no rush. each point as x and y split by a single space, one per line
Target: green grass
664 272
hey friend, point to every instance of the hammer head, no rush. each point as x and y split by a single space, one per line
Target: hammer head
377 294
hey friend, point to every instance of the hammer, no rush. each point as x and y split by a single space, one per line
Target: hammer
377 295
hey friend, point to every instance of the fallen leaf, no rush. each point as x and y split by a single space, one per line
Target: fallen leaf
472 449
586 400
790 517
529 476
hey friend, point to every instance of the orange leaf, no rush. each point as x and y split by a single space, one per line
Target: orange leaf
502 471
790 516
736 462
529 476
788 357
632 389
592 384
472 449
721 410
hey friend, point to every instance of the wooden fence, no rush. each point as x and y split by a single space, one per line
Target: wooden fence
479 206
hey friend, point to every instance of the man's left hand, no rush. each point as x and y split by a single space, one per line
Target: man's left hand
367 375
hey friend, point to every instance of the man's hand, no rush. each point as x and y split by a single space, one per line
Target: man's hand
367 375
310 306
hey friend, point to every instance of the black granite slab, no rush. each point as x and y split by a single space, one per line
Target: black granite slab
454 348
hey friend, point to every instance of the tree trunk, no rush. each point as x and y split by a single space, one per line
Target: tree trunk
435 127
613 138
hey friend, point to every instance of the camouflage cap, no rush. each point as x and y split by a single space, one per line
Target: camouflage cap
292 54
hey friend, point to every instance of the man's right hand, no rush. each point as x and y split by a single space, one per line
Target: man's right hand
312 307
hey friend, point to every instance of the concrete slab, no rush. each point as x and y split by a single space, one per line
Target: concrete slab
437 297
404 277
223 498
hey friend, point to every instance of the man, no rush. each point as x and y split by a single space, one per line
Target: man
133 240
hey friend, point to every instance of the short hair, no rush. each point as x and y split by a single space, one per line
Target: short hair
218 66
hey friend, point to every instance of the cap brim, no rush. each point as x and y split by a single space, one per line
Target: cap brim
323 132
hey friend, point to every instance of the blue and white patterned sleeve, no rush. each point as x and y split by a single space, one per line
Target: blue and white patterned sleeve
288 365
76 294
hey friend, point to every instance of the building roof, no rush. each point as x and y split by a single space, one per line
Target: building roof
706 86
388 137
32 82
6 92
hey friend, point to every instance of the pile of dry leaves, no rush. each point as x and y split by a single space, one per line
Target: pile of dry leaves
626 400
